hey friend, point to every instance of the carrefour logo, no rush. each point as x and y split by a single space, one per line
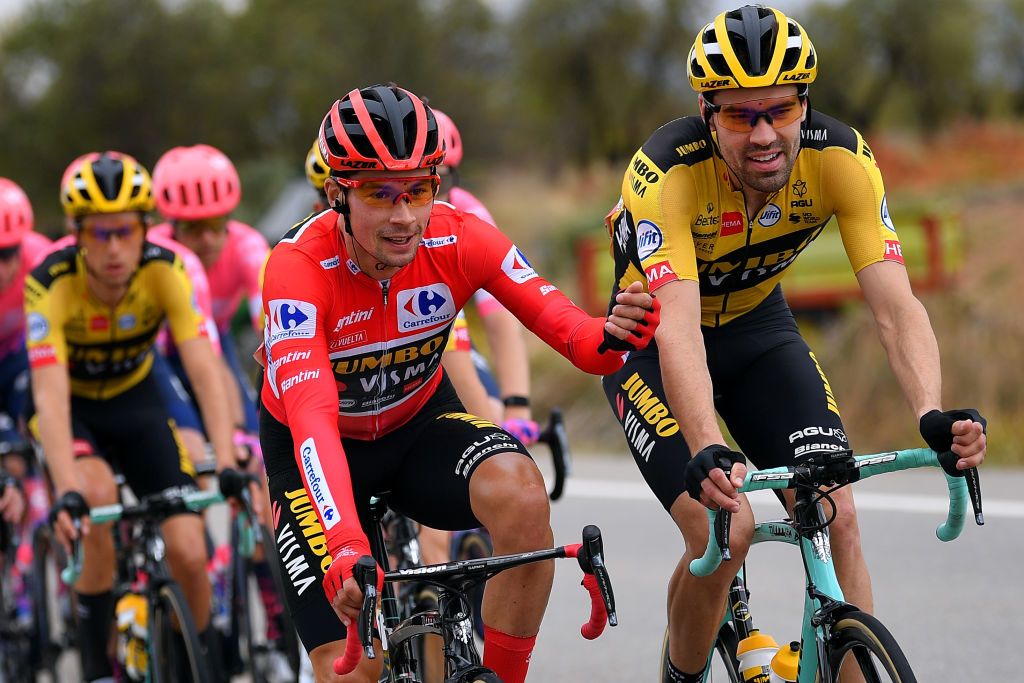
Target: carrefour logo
648 239
291 319
317 482
425 307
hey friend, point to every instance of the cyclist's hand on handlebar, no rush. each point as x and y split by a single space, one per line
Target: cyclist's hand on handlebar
633 320
706 479
232 482
12 502
341 588
69 507
959 431
526 430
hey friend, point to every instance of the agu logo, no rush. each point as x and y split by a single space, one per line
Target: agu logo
291 319
648 239
517 267
425 307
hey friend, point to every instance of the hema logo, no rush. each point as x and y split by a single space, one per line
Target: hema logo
317 482
425 307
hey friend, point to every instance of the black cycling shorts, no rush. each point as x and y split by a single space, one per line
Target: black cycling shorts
768 388
424 466
136 435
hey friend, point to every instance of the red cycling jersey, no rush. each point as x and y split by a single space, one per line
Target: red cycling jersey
350 356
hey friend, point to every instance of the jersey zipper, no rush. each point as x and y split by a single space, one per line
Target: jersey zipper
385 287
749 229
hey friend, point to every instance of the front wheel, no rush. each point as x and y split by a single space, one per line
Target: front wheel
174 650
860 641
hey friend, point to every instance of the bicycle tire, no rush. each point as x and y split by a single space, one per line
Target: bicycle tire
53 629
475 544
240 572
725 647
872 646
167 607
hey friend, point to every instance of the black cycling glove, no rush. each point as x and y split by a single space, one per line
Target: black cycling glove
700 466
937 430
232 482
73 502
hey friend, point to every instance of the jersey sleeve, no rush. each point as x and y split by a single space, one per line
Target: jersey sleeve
254 252
663 205
178 299
492 262
296 301
44 320
868 233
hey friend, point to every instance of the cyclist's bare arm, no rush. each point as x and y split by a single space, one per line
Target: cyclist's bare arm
51 392
511 365
201 365
684 371
461 371
909 342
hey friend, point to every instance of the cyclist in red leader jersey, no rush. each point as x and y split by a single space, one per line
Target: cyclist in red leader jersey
358 303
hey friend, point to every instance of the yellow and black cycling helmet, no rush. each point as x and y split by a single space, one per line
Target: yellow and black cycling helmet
105 182
317 170
751 47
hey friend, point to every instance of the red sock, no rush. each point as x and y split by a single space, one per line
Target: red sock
508 656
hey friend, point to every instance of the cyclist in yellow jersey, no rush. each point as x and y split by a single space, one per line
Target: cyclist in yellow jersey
93 311
714 209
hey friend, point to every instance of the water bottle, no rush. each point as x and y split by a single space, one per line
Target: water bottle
755 654
785 663
132 635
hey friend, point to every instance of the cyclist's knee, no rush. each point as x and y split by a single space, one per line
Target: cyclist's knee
692 520
96 481
844 530
186 550
508 496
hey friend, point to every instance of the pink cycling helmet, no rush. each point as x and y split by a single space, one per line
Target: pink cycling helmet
15 214
193 183
452 139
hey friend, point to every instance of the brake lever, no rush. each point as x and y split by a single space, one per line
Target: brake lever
974 491
723 523
591 561
365 573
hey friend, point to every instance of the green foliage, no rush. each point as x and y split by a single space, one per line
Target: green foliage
555 82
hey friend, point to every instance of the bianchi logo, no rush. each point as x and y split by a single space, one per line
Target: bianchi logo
425 307
317 483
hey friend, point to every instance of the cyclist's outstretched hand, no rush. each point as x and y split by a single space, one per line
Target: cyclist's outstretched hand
959 431
706 479
12 502
633 320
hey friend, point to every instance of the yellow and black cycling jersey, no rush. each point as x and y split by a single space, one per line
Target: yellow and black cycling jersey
680 218
107 350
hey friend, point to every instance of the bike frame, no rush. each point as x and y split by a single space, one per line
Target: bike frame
823 601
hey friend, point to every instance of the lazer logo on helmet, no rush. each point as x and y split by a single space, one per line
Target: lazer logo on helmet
517 267
425 307
352 163
291 319
648 239
317 483
715 84
796 77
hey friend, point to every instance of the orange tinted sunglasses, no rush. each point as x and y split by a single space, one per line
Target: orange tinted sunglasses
386 192
742 117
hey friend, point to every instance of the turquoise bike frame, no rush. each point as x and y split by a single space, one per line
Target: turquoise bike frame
822 585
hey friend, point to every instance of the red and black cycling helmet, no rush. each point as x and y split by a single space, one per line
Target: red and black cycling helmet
380 128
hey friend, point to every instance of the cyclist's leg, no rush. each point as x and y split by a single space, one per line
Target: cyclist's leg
244 386
152 457
302 548
695 605
475 474
95 600
787 407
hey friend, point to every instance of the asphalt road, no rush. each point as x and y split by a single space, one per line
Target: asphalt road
953 607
